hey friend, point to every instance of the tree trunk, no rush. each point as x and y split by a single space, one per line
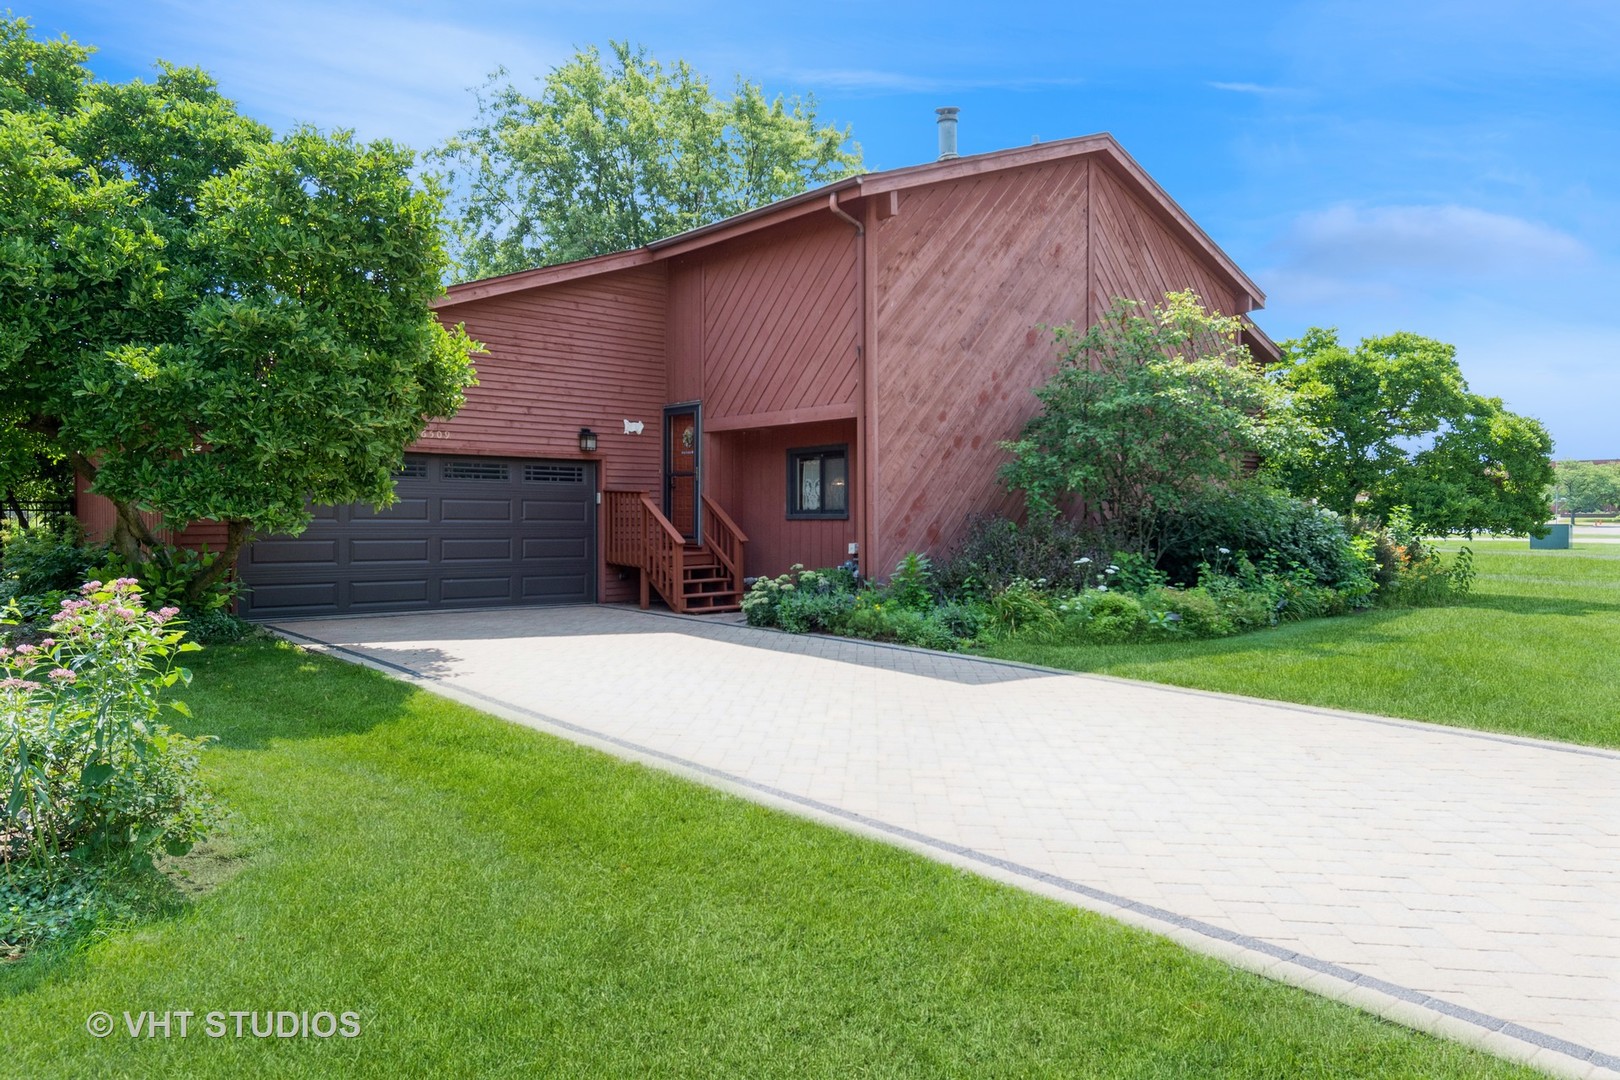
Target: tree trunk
131 538
16 509
237 533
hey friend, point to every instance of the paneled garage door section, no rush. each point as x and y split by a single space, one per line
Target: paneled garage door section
465 532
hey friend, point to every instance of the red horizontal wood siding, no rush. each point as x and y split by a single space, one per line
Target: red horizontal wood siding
96 514
747 472
769 324
583 353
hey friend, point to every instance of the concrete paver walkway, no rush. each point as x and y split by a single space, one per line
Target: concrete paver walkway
1461 882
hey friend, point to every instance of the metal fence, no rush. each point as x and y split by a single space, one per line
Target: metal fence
35 513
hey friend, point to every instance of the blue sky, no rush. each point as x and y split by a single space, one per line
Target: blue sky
1447 168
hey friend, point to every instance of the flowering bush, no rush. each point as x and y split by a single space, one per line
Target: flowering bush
86 771
801 600
1421 576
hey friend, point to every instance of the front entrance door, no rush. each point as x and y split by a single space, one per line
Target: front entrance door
682 439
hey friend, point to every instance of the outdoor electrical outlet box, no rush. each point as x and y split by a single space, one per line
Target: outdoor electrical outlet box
854 549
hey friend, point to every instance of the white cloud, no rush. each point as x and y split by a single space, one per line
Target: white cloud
1247 88
1459 241
384 71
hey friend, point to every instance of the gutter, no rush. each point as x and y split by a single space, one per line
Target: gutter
866 425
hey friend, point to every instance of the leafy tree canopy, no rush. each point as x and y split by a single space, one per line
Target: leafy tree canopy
619 151
1396 425
213 322
1582 487
1149 407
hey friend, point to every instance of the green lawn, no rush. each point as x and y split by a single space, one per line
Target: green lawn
1531 651
495 902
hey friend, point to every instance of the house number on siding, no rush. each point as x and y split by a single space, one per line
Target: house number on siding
435 433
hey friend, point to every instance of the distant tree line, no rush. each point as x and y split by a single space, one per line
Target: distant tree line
1583 487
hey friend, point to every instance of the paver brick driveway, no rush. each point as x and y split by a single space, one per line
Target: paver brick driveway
1462 882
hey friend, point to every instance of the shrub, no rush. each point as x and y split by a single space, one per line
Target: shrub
89 773
1113 617
912 584
903 625
1258 522
1196 613
801 600
761 604
1408 570
1023 608
997 550
46 558
167 575
1149 404
866 619
1245 609
1135 573
933 633
963 621
219 628
803 610
1387 556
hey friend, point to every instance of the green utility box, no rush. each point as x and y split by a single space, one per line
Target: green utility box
1557 538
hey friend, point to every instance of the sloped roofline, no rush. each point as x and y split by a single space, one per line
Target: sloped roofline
1103 144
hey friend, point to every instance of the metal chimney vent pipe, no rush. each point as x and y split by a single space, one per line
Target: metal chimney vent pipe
947 132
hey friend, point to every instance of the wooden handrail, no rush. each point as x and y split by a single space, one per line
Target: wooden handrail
722 536
640 535
725 519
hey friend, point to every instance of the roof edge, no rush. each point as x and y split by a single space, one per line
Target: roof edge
815 199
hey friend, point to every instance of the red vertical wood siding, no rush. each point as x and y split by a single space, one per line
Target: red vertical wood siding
747 474
582 353
767 325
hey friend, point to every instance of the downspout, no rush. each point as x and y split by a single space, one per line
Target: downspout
863 354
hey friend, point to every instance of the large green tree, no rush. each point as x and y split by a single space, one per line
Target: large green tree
618 151
1149 407
1582 487
1396 425
212 322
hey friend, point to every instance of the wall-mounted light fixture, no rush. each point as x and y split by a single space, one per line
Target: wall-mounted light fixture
587 441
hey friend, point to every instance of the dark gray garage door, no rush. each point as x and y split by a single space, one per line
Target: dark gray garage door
465 532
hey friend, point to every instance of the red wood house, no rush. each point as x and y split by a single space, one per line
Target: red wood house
826 377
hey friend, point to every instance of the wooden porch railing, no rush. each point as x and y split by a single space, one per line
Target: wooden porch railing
685 575
640 535
721 536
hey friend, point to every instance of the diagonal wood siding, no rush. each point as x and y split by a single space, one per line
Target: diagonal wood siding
1137 256
767 325
965 274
